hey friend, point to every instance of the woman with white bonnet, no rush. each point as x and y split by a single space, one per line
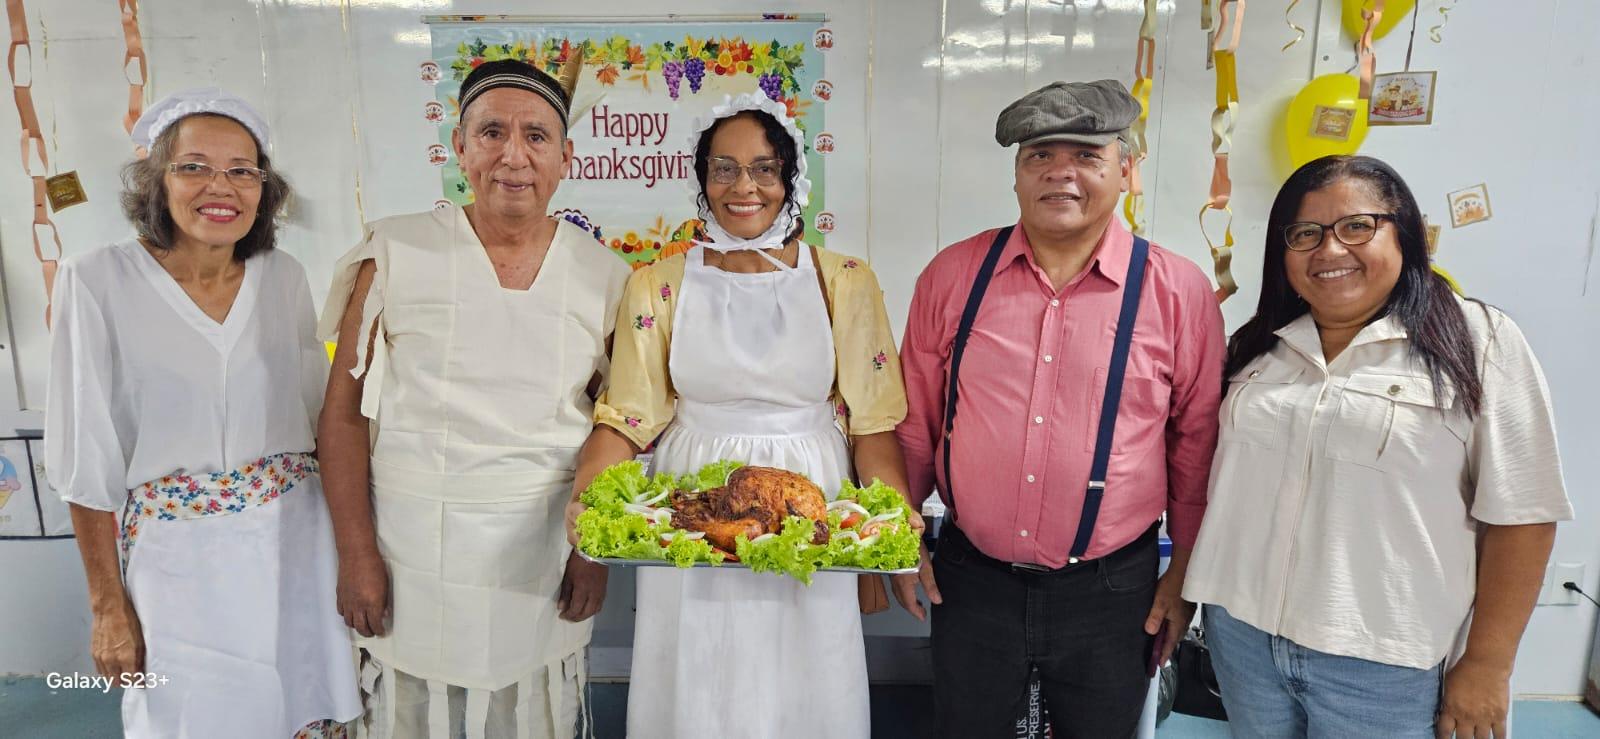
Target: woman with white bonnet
754 347
185 381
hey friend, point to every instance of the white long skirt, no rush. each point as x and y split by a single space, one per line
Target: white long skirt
731 653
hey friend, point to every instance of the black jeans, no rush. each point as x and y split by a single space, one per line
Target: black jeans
1081 627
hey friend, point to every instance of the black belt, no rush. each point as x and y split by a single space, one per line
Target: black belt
950 534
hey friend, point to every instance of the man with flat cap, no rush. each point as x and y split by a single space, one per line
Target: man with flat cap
472 342
1063 379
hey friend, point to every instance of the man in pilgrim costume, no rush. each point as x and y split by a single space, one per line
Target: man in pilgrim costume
471 343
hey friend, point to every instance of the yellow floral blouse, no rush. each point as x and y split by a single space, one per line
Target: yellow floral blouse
869 395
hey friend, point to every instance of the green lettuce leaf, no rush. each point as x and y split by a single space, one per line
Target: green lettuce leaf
897 547
608 531
713 475
616 486
790 552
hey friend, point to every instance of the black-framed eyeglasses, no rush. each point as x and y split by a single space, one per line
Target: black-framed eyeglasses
1351 230
247 177
725 171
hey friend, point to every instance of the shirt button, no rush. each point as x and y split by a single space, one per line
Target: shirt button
1024 532
1048 359
1030 478
1055 303
1038 419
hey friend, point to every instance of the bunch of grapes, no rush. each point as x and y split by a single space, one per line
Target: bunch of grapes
772 85
673 72
695 70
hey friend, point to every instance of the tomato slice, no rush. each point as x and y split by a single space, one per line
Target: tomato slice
851 520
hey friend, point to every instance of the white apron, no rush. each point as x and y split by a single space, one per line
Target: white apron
235 601
730 653
200 433
477 393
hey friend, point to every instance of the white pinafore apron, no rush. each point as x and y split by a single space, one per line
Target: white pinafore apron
477 394
730 653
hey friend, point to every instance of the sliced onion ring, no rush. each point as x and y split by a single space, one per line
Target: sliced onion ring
848 505
652 501
671 536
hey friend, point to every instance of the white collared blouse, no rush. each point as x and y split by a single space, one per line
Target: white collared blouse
1346 498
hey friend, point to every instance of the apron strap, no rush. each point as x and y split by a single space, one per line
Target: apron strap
585 709
367 678
477 713
980 285
438 709
776 262
1132 287
552 697
525 708
387 684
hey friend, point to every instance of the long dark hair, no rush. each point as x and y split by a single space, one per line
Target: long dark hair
144 196
1421 301
781 142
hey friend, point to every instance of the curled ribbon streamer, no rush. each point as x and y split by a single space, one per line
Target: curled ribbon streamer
22 94
1221 256
355 122
1222 123
1444 19
133 51
1143 71
1299 32
1365 58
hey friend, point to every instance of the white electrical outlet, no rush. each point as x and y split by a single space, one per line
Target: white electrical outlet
1555 577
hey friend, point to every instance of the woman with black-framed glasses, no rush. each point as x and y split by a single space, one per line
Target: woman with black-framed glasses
757 348
1386 468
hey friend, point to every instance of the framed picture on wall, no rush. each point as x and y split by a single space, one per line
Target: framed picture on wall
1469 206
19 508
1402 99
1332 122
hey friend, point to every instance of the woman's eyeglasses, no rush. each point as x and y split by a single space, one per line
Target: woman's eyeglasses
1351 230
725 171
245 177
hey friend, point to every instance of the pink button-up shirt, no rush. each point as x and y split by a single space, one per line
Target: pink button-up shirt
1032 382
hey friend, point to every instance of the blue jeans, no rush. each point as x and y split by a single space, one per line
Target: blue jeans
1273 687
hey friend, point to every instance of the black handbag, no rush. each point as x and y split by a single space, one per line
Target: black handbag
1194 688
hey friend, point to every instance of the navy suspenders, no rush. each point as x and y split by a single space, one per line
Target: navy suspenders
963 331
1132 287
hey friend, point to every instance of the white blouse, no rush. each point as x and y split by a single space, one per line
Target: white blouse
1346 501
143 383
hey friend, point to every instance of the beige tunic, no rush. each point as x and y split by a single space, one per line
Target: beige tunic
477 396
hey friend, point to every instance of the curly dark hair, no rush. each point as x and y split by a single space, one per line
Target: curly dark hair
144 197
781 142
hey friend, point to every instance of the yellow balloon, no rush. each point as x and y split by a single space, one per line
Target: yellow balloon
1326 117
1456 286
1393 12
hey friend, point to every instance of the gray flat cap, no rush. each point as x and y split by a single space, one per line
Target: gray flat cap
1093 113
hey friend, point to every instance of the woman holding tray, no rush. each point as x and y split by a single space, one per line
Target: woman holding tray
758 348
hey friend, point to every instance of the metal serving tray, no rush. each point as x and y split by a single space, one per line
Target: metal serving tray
618 562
